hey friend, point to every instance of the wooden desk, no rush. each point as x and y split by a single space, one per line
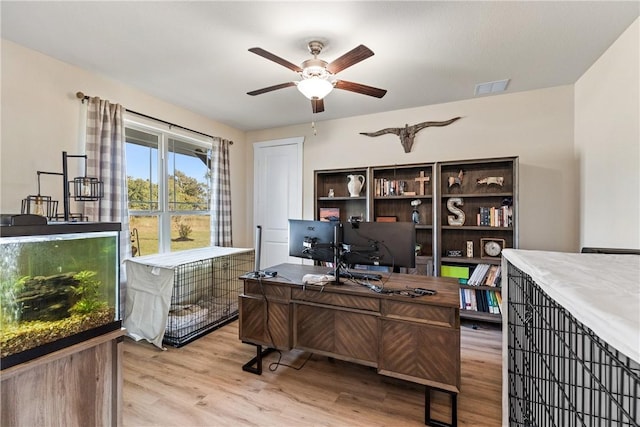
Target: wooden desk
414 339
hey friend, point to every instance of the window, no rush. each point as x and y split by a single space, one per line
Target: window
168 184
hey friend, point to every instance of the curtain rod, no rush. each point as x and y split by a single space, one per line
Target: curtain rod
84 97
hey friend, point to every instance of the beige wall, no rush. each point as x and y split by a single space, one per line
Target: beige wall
566 193
537 126
41 118
607 100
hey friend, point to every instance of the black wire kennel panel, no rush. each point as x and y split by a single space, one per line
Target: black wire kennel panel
205 296
559 372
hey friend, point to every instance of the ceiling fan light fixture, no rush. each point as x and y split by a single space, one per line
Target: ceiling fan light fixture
315 87
317 77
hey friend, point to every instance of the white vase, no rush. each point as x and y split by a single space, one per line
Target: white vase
355 184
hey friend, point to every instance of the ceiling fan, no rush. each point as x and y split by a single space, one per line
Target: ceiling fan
318 76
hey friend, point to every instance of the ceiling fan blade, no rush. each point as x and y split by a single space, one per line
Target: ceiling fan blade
270 88
270 56
317 105
350 58
360 88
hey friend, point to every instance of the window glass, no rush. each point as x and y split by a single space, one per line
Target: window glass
189 232
188 177
142 170
168 184
144 233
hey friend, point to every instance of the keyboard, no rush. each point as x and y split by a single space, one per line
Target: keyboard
360 276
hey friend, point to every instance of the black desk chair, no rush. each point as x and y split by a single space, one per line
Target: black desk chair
613 251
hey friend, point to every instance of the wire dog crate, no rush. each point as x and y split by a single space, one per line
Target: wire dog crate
205 296
560 373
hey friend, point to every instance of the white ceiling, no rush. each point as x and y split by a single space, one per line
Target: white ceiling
194 53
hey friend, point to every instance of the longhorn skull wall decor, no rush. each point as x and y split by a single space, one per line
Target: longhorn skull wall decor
408 133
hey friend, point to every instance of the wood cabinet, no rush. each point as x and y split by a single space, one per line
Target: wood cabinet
472 186
80 385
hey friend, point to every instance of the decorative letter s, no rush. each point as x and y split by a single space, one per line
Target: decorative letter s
452 204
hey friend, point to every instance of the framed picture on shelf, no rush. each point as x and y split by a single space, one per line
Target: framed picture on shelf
329 214
386 219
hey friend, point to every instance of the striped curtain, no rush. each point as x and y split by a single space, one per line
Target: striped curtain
220 194
105 152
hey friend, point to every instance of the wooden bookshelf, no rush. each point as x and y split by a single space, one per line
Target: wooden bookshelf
475 194
336 180
389 191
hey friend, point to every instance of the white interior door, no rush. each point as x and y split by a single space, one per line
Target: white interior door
277 195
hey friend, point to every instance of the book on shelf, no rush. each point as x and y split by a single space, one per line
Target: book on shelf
497 281
478 275
389 187
490 303
485 275
496 295
481 300
496 304
493 275
495 217
470 300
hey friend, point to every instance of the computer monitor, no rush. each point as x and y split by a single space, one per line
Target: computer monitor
390 244
312 239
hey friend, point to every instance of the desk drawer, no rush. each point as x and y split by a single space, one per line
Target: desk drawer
441 316
340 300
272 290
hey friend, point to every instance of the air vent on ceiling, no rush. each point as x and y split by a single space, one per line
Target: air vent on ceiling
491 87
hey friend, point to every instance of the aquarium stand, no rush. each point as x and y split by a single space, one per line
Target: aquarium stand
80 382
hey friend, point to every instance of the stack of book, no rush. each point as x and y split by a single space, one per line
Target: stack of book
485 275
483 300
390 187
495 217
487 301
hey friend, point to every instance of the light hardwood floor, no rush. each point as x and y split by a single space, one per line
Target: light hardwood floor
203 384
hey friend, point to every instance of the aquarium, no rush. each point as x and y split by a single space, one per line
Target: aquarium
59 285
